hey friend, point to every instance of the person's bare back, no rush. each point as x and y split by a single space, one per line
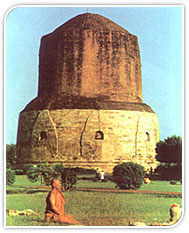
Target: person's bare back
55 205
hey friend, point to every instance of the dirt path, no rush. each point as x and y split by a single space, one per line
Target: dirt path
110 190
128 191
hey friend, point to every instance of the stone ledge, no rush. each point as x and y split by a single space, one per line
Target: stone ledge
79 102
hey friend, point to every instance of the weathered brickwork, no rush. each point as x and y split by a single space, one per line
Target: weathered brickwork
90 56
70 137
89 110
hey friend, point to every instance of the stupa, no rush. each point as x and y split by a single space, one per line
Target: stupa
89 111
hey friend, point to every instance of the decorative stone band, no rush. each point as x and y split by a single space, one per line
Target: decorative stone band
78 102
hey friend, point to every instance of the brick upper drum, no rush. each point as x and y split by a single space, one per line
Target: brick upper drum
90 57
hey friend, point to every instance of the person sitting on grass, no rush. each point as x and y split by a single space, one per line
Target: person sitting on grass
55 205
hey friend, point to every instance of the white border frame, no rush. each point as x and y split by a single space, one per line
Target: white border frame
136 3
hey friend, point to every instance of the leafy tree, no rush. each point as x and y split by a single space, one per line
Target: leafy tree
68 178
10 155
52 172
128 175
45 173
170 150
58 170
169 172
42 173
169 153
10 176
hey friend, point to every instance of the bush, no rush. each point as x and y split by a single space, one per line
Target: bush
169 172
43 173
10 176
68 178
128 175
173 182
84 171
33 174
19 172
52 172
58 169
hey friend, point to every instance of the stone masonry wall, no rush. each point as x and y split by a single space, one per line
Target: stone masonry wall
100 59
68 136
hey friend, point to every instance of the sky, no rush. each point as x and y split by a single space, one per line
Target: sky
160 34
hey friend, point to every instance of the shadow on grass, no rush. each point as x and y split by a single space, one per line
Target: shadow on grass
26 191
36 191
162 194
92 221
42 222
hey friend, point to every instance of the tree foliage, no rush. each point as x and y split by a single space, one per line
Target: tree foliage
42 172
169 172
10 176
10 155
69 178
170 150
45 173
169 153
128 175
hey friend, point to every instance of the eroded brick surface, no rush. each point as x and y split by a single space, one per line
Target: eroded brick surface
128 136
90 56
89 110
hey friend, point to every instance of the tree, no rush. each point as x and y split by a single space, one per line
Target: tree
169 154
10 155
10 176
10 161
68 178
43 173
128 175
170 150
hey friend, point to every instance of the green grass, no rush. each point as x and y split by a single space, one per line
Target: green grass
96 208
164 186
23 180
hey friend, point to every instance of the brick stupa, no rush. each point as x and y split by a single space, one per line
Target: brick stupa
89 110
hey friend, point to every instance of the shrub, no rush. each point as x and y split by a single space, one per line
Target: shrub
169 172
19 172
45 173
128 175
173 182
68 178
33 174
40 172
10 176
58 169
84 171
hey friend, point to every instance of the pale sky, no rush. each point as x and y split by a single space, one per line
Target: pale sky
160 36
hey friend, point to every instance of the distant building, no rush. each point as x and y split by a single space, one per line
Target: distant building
89 110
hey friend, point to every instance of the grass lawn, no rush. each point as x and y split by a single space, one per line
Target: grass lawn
163 186
96 208
22 182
